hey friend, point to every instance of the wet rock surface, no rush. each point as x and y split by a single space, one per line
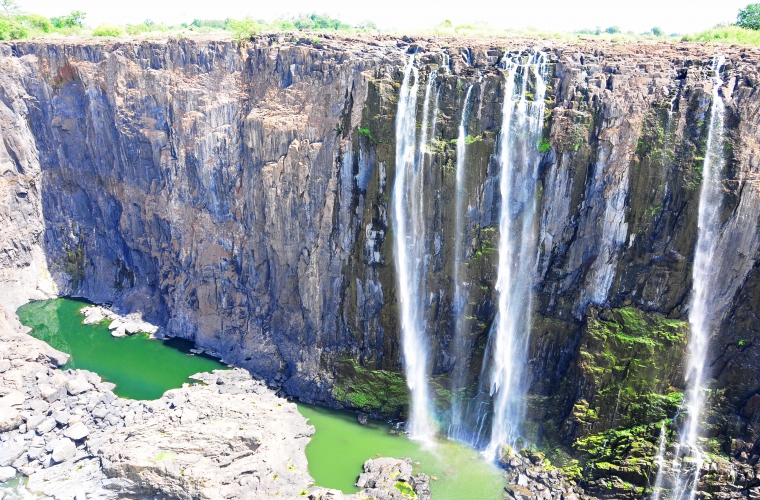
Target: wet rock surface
239 195
383 479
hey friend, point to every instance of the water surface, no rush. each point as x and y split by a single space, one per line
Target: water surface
141 368
340 447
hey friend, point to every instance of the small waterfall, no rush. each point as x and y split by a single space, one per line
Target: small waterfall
519 157
410 248
460 292
660 461
704 274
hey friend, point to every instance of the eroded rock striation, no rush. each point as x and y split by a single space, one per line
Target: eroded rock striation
240 193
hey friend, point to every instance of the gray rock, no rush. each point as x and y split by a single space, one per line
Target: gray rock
64 449
77 386
50 393
77 431
9 419
11 450
6 474
46 426
61 417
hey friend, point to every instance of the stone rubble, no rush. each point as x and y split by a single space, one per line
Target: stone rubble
228 436
529 479
120 326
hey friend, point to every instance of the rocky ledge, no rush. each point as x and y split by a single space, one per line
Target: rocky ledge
228 436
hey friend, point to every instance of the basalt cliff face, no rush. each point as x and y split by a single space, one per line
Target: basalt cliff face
240 195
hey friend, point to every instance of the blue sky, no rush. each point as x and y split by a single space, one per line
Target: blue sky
680 16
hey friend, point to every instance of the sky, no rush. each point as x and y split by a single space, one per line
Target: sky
673 16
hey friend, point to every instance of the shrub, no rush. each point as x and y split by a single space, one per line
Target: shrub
108 30
11 29
749 17
613 29
36 22
244 29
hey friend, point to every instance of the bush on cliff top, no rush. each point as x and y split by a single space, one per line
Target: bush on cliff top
107 30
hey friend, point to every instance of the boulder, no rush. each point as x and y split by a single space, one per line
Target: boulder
46 426
10 419
77 386
64 449
6 474
34 421
50 393
77 431
11 450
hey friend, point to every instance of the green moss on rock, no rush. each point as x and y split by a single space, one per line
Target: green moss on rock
377 392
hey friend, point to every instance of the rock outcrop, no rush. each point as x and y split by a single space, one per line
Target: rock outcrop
228 438
240 193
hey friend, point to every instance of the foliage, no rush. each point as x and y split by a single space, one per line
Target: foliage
11 28
406 490
749 17
367 133
36 22
73 20
107 30
377 392
613 29
544 145
244 29
726 34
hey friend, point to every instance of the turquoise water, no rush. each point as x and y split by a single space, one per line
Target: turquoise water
141 368
341 445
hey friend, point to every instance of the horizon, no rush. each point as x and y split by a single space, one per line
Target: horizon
553 15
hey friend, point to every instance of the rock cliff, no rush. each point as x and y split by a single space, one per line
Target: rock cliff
239 194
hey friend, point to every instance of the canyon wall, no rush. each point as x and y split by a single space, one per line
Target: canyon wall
240 195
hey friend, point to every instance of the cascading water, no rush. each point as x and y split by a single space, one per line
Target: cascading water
460 292
660 461
409 244
519 157
704 273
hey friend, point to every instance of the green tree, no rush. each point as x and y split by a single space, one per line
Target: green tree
73 20
749 17
36 21
9 6
657 31
11 29
244 29
613 29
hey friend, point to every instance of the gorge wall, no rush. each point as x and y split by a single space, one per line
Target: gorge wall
240 195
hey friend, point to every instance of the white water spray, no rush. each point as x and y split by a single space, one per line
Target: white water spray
409 245
460 299
519 157
704 277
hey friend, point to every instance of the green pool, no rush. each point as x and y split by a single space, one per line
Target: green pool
141 368
340 447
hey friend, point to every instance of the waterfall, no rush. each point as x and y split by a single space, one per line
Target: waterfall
660 460
460 295
704 274
410 250
519 157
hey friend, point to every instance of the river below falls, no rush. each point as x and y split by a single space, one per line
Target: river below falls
144 368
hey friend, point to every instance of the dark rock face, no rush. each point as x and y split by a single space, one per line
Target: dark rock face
240 195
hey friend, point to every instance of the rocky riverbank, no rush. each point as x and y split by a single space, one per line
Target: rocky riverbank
227 437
